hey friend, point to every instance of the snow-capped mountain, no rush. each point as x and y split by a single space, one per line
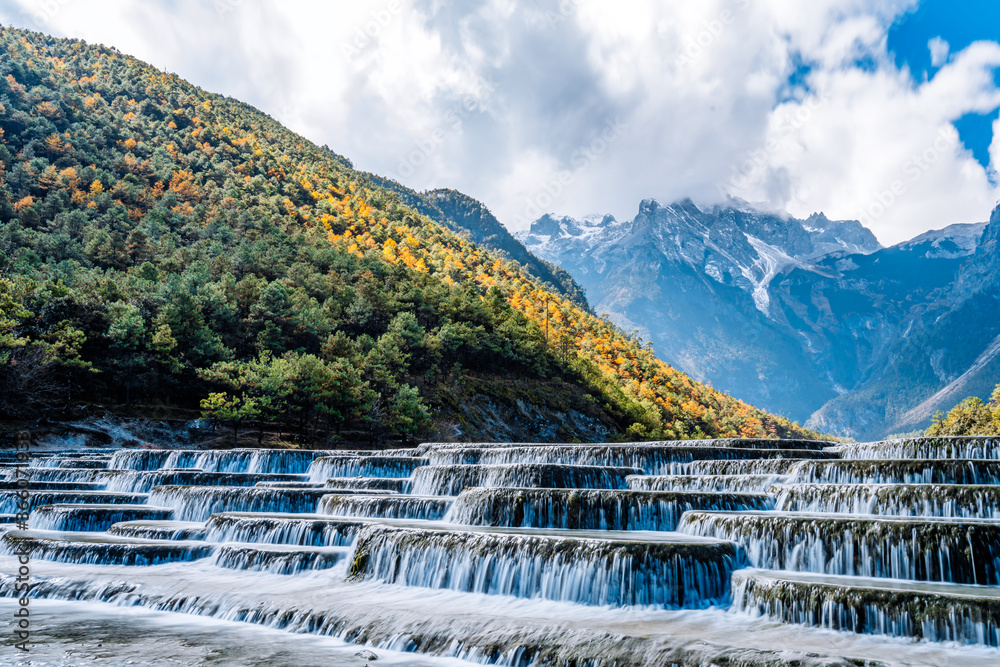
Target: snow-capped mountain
801 317
736 246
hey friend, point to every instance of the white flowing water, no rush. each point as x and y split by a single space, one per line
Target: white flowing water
591 509
450 480
385 506
652 459
93 518
363 466
918 548
986 447
721 483
664 572
522 555
197 503
932 500
872 607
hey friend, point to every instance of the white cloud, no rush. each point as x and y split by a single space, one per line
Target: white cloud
502 99
939 51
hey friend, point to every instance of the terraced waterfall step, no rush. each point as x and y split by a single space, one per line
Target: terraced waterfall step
934 500
734 443
92 518
160 530
897 471
739 467
591 509
450 480
385 506
99 548
278 558
718 483
143 481
936 612
311 530
9 500
651 458
69 464
668 571
36 485
286 461
976 447
496 629
326 467
197 503
396 484
916 548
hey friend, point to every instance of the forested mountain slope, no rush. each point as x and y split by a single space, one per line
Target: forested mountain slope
473 220
161 244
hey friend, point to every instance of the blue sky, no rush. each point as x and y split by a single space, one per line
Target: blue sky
959 24
883 111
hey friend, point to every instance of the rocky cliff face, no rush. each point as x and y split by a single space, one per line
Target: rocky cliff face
809 318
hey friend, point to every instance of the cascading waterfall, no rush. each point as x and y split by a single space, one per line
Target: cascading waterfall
591 509
726 468
36 486
984 447
143 481
232 460
935 500
898 538
160 530
59 474
396 484
278 559
954 613
311 531
385 506
272 461
652 459
470 633
920 549
363 466
197 503
891 471
99 549
720 483
673 574
69 464
140 459
717 443
451 479
91 518
9 500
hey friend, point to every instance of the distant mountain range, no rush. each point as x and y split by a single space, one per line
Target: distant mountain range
812 319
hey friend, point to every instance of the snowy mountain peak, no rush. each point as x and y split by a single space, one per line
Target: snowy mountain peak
736 245
959 240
